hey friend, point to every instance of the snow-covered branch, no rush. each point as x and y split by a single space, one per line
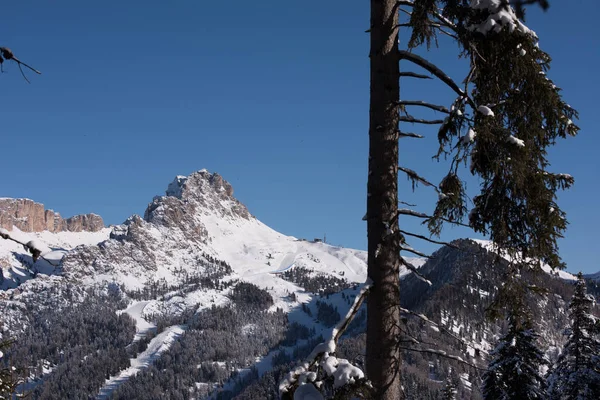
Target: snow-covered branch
415 271
410 135
34 247
322 364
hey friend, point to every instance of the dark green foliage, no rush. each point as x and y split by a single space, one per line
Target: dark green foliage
327 314
576 374
516 206
207 273
218 341
9 378
318 283
249 295
83 343
450 390
514 371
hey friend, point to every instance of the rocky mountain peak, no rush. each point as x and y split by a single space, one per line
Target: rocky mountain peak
200 183
30 216
200 193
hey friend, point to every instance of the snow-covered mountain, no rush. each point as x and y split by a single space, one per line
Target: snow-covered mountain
197 219
191 255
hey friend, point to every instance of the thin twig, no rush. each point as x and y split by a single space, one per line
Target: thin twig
415 252
421 121
423 104
428 239
8 237
441 75
414 75
410 135
442 354
412 175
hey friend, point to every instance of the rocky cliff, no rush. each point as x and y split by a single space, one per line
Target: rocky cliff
29 216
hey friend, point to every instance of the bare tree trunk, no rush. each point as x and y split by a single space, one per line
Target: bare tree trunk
383 330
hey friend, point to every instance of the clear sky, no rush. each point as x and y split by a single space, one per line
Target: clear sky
273 95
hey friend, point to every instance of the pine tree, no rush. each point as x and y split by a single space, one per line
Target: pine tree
449 390
514 372
576 374
505 116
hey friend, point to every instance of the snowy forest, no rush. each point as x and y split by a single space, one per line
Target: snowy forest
198 299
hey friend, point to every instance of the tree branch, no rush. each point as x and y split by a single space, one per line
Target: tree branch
421 121
440 327
442 353
414 75
423 104
36 253
416 252
412 213
7 54
411 135
428 239
412 269
412 175
441 75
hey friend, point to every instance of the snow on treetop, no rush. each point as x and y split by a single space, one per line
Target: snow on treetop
469 137
515 140
501 15
307 392
485 110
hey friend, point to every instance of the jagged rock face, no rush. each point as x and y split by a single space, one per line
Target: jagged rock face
200 192
187 198
29 216
173 224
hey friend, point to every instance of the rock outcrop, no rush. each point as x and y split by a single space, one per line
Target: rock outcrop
29 216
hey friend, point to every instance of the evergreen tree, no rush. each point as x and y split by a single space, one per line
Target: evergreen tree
502 123
576 374
514 372
449 390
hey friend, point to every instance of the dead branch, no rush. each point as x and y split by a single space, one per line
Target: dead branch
415 252
412 175
428 239
412 213
36 253
421 121
415 271
441 75
7 54
411 135
423 104
443 354
414 75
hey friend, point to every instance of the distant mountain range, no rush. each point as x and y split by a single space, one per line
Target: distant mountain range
170 285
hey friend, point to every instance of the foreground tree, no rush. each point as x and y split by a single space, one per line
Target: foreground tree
502 121
576 375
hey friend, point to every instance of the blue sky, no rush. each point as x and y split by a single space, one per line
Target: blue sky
272 95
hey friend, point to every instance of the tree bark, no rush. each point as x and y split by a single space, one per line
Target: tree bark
383 329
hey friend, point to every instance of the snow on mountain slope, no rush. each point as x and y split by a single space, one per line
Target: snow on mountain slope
198 227
489 245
